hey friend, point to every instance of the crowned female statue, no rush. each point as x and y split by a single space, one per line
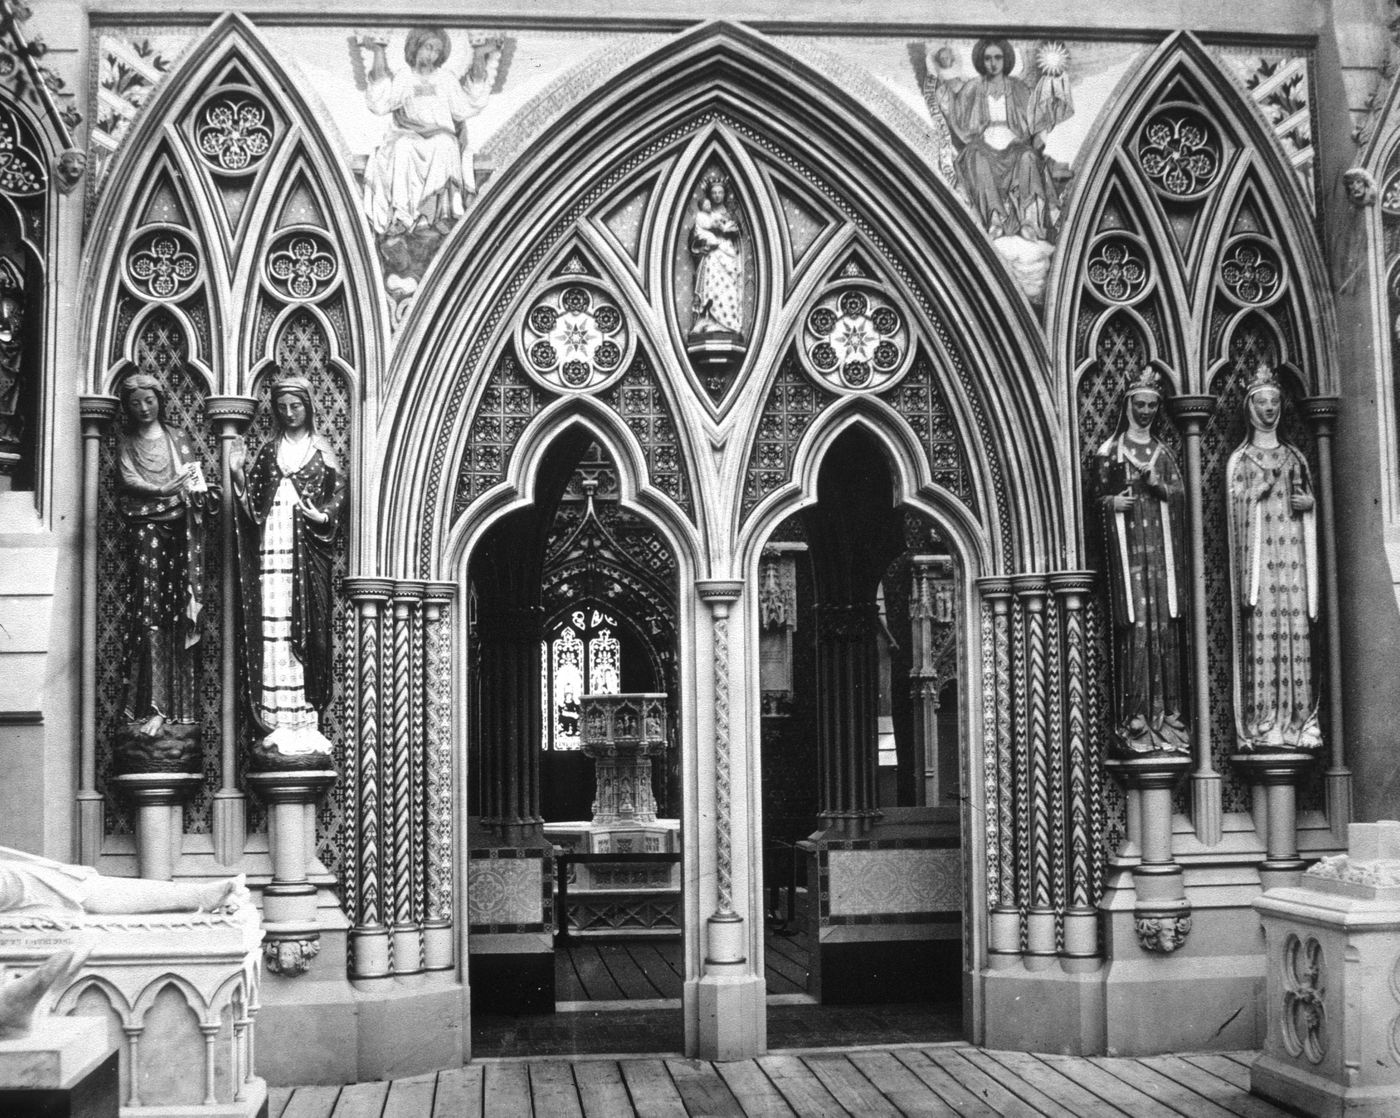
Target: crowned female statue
1273 580
717 243
290 503
163 497
1140 498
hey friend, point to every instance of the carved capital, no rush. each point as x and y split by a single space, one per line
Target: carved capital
1072 586
1162 932
368 592
407 594
1031 589
1322 412
230 412
1191 411
97 411
436 597
291 957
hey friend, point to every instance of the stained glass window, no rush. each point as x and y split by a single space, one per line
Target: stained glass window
580 656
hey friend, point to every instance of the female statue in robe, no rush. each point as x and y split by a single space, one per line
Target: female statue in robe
1140 498
164 499
1273 580
290 502
999 122
716 242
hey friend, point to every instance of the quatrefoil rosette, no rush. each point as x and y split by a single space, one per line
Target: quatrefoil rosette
302 265
855 340
163 264
575 337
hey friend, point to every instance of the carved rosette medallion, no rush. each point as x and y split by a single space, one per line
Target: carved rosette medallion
1162 933
302 266
854 339
1180 152
574 337
1304 1012
1119 270
1250 273
233 132
163 264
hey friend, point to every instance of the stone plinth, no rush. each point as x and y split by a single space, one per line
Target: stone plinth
1333 945
64 1068
177 993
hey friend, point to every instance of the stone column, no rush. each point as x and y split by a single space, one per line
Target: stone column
1161 912
1191 413
931 625
438 841
1322 412
1036 808
97 412
158 798
731 997
510 722
848 708
369 934
406 776
1278 774
1004 938
1081 918
293 936
229 414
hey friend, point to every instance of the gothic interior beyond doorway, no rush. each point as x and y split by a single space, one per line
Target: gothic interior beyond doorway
719 441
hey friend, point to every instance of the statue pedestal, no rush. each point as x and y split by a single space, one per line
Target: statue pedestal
293 937
158 798
1161 912
64 1068
179 991
1278 774
1333 950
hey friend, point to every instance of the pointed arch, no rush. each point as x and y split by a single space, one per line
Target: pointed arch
721 71
1182 86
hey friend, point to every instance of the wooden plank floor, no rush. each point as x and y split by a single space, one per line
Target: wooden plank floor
607 970
953 1079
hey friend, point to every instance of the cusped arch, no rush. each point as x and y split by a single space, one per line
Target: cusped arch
68 1001
923 231
912 479
517 490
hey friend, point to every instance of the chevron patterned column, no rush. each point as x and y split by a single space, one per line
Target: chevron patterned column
1072 794
436 620
369 936
1034 754
1004 946
405 747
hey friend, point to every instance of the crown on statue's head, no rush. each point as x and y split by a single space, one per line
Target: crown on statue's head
1263 378
711 178
1148 381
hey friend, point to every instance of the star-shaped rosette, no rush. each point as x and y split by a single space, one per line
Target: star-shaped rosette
854 339
575 337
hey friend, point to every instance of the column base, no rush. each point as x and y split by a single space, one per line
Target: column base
732 1017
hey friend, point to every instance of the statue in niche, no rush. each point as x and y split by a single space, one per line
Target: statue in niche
40 887
717 244
11 368
1140 497
1273 580
418 179
164 499
290 504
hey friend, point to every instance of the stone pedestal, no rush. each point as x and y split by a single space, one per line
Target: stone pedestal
158 798
1333 944
292 935
1278 775
1161 912
64 1068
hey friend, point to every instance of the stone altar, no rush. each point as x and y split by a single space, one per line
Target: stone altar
1333 948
